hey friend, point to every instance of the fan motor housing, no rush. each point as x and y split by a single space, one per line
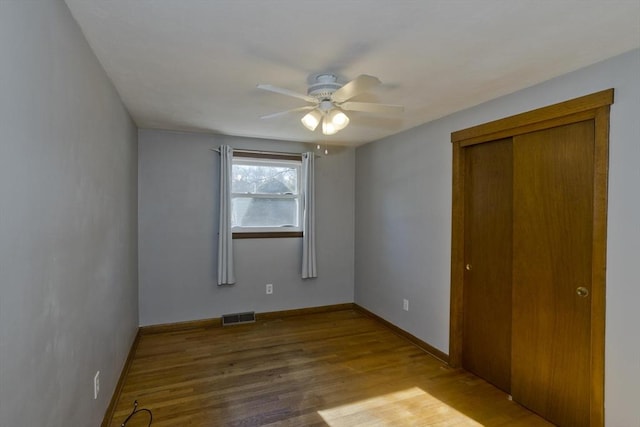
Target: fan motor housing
324 87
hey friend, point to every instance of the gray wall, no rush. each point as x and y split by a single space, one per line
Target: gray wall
178 225
68 259
403 206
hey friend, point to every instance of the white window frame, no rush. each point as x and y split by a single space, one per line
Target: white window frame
274 161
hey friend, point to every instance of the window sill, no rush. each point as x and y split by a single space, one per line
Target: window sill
267 235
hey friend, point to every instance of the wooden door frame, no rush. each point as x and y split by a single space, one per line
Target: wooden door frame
590 107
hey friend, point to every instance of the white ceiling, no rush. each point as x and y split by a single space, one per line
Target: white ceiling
195 64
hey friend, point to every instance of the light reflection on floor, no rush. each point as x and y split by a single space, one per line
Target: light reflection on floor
410 407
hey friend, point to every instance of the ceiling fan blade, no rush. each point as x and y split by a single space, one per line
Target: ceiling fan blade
287 92
360 84
370 107
284 113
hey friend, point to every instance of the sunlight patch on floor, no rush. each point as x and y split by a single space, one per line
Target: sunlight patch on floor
410 407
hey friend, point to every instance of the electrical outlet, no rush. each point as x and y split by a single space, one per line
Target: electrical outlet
405 304
269 288
96 385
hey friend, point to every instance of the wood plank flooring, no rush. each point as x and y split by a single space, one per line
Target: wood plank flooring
332 369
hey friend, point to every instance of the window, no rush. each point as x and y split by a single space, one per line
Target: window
265 196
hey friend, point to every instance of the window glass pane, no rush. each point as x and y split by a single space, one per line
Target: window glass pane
265 179
264 212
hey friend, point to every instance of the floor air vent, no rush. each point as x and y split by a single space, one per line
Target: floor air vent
237 318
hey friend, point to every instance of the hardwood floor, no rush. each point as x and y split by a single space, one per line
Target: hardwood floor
332 369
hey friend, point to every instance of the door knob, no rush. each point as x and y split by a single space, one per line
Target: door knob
582 292
467 267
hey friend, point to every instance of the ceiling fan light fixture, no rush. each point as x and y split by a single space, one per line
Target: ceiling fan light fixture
312 119
328 128
330 100
339 119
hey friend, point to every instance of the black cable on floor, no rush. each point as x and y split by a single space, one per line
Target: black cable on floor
136 411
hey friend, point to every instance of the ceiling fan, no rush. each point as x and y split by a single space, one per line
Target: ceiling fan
330 100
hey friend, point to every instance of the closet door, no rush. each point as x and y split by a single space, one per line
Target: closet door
552 256
487 276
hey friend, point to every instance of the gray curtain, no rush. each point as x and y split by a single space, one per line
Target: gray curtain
309 268
226 275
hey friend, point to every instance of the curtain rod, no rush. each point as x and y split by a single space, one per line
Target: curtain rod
275 153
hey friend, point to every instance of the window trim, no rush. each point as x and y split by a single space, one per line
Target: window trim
274 232
265 234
